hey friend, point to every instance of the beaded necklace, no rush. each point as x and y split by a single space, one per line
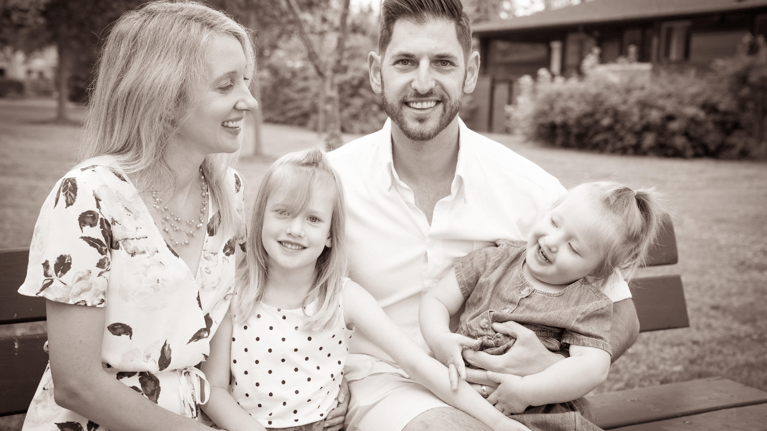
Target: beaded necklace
172 223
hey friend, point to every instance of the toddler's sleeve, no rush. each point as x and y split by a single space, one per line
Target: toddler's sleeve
70 253
592 327
470 268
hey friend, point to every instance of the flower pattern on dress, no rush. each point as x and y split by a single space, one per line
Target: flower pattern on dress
95 244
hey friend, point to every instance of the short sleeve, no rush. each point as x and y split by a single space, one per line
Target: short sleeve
470 268
69 258
592 326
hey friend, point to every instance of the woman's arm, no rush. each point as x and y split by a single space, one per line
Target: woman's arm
362 311
567 380
221 407
438 305
75 336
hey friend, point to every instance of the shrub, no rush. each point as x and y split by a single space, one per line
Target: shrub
11 87
671 115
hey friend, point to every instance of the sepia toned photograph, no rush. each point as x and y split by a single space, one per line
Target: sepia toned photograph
383 215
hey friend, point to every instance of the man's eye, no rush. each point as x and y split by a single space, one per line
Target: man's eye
404 62
444 63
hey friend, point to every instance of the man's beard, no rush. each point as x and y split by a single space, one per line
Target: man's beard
421 132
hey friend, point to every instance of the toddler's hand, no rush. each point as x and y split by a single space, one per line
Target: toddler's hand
508 398
448 351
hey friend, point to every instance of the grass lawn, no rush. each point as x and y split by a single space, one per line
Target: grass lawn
719 210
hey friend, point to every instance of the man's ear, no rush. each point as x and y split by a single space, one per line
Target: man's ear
374 67
472 73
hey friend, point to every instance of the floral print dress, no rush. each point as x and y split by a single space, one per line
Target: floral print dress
96 245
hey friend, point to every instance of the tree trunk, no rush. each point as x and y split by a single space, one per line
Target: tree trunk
333 115
64 72
321 107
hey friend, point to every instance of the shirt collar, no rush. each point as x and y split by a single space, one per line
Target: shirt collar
461 169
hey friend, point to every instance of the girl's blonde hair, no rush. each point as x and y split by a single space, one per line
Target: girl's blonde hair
150 74
632 221
301 173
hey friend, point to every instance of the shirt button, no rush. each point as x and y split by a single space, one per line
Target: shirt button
484 323
527 290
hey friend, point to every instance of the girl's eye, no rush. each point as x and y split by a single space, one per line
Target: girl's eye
282 212
314 219
553 222
226 87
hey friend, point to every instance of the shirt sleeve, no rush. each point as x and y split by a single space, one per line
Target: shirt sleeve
70 254
591 328
616 288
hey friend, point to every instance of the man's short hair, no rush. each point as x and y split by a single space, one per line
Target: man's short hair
419 11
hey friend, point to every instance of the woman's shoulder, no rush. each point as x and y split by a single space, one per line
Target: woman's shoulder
234 179
102 169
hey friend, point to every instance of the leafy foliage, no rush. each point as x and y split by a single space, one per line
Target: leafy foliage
671 115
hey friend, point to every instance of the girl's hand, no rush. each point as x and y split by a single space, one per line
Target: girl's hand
508 398
335 419
448 351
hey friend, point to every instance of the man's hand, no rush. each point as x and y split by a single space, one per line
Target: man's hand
508 398
527 356
448 349
335 419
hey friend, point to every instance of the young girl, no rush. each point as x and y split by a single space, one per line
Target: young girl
550 285
286 340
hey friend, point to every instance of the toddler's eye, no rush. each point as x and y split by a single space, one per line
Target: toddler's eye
553 222
573 249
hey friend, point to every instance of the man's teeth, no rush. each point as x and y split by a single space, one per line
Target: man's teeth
232 124
292 246
423 105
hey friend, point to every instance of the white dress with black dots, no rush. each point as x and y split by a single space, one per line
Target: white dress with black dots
282 374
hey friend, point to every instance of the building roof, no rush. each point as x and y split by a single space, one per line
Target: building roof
613 11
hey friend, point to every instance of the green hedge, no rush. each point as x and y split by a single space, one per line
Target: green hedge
670 115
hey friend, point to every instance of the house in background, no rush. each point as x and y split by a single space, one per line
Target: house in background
665 33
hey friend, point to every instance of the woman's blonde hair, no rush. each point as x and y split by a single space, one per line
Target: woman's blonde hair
632 219
300 173
150 73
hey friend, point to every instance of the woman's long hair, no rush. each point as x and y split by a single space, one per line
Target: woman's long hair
301 173
150 73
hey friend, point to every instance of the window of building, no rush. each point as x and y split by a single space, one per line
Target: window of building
675 41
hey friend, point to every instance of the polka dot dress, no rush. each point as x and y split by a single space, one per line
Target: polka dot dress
282 374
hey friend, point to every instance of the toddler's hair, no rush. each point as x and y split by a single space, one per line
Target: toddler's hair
635 217
300 172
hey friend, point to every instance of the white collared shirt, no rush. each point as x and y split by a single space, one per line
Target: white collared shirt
396 255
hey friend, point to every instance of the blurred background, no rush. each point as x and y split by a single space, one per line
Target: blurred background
664 93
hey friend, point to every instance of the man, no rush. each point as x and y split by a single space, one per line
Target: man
424 190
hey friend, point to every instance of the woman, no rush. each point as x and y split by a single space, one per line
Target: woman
135 247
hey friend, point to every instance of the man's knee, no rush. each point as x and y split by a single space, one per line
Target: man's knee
445 419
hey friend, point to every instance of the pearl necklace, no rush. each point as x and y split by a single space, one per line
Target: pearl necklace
170 220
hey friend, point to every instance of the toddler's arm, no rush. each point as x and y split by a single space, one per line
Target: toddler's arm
221 407
437 306
567 380
362 310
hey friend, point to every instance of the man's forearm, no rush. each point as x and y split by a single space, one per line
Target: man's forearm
625 327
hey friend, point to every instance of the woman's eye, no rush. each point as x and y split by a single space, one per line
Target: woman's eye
226 87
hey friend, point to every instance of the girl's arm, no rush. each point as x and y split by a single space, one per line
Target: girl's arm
362 311
567 380
437 306
221 407
75 335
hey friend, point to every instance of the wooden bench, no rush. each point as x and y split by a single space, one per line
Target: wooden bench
700 405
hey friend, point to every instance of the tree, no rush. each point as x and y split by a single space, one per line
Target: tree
329 111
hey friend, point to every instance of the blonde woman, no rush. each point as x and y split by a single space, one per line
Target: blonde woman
135 248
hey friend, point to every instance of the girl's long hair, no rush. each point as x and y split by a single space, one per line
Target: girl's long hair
150 73
300 173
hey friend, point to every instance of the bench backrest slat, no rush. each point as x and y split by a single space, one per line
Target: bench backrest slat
15 308
22 363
